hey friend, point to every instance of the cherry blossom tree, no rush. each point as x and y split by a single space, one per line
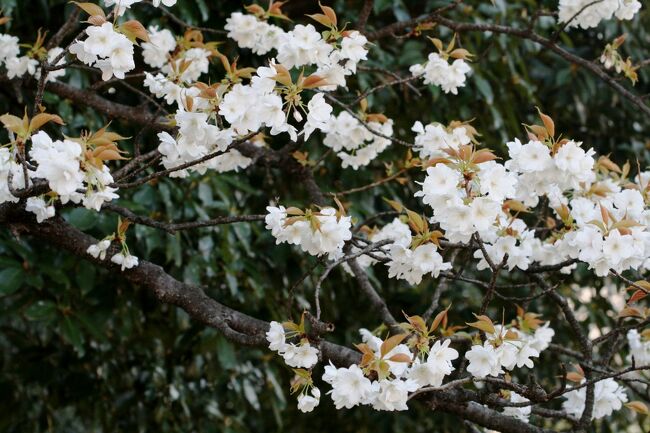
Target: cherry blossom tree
474 251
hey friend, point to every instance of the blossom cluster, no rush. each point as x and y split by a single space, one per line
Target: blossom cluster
356 143
122 6
107 49
74 169
74 172
18 66
156 50
520 412
587 13
270 98
317 233
396 231
404 259
432 140
351 385
302 355
257 35
391 370
246 108
412 264
603 214
609 396
334 59
470 193
299 356
10 171
251 107
462 208
175 82
124 259
63 164
507 348
639 347
439 72
195 138
198 134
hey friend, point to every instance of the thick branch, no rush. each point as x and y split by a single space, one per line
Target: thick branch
111 109
481 415
236 326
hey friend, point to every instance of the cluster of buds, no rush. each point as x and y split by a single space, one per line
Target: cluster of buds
611 58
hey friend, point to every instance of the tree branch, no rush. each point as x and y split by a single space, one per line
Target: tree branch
523 33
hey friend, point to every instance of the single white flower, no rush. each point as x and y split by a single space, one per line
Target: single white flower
307 403
125 260
276 337
300 356
99 249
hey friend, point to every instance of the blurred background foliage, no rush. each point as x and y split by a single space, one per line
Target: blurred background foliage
83 351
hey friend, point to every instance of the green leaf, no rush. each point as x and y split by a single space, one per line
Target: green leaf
43 310
7 6
251 394
10 280
381 5
205 13
72 334
400 11
226 354
85 278
92 325
485 88
83 219
275 384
